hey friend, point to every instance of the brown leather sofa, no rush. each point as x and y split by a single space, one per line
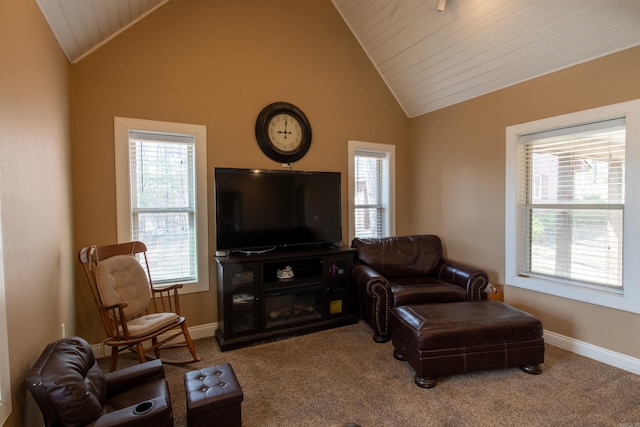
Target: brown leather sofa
397 271
71 390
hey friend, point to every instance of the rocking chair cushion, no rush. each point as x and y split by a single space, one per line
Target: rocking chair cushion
147 324
122 278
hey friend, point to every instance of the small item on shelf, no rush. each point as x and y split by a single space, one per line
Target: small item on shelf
242 298
335 270
285 273
242 278
335 306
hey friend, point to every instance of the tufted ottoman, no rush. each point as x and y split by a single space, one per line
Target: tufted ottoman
214 397
458 337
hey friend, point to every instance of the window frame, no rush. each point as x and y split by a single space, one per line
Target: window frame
123 126
629 298
389 151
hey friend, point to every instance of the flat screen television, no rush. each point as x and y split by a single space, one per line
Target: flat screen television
259 210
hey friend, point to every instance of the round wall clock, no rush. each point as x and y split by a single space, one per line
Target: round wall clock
283 132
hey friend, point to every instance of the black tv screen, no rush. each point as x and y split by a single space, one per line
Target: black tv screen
264 209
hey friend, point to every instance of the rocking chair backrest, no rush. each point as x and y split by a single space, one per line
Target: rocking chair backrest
121 278
90 257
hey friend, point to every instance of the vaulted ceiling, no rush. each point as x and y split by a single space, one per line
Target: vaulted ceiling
429 58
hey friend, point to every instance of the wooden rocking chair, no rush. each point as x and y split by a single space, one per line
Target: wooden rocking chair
132 310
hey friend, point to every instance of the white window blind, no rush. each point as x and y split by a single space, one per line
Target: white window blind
163 203
371 193
571 202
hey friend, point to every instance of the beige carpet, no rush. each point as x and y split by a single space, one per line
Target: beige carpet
340 375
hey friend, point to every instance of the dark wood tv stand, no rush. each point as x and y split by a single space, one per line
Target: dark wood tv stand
254 305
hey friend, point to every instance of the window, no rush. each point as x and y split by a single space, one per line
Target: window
5 380
571 201
161 197
371 195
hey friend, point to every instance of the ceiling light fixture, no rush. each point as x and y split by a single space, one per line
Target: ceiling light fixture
441 5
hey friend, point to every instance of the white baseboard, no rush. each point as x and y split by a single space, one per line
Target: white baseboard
591 351
196 332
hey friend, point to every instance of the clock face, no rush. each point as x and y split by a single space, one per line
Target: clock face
285 132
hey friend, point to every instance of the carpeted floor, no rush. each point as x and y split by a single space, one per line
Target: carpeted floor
340 375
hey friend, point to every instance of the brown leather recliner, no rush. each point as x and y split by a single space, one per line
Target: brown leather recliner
71 390
397 271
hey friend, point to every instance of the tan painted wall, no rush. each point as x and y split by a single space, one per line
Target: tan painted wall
459 189
35 197
218 63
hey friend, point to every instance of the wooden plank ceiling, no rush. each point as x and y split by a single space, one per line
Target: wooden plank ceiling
81 26
429 59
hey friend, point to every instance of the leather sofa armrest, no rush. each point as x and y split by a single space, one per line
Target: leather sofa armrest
374 293
367 278
160 414
473 280
123 379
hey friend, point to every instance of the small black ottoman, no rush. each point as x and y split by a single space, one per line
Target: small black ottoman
214 397
458 337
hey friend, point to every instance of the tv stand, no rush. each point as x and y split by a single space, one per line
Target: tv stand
254 305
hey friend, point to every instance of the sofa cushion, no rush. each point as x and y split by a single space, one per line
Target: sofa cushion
424 290
404 256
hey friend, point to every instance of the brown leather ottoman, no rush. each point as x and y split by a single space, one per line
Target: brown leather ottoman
453 338
214 397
